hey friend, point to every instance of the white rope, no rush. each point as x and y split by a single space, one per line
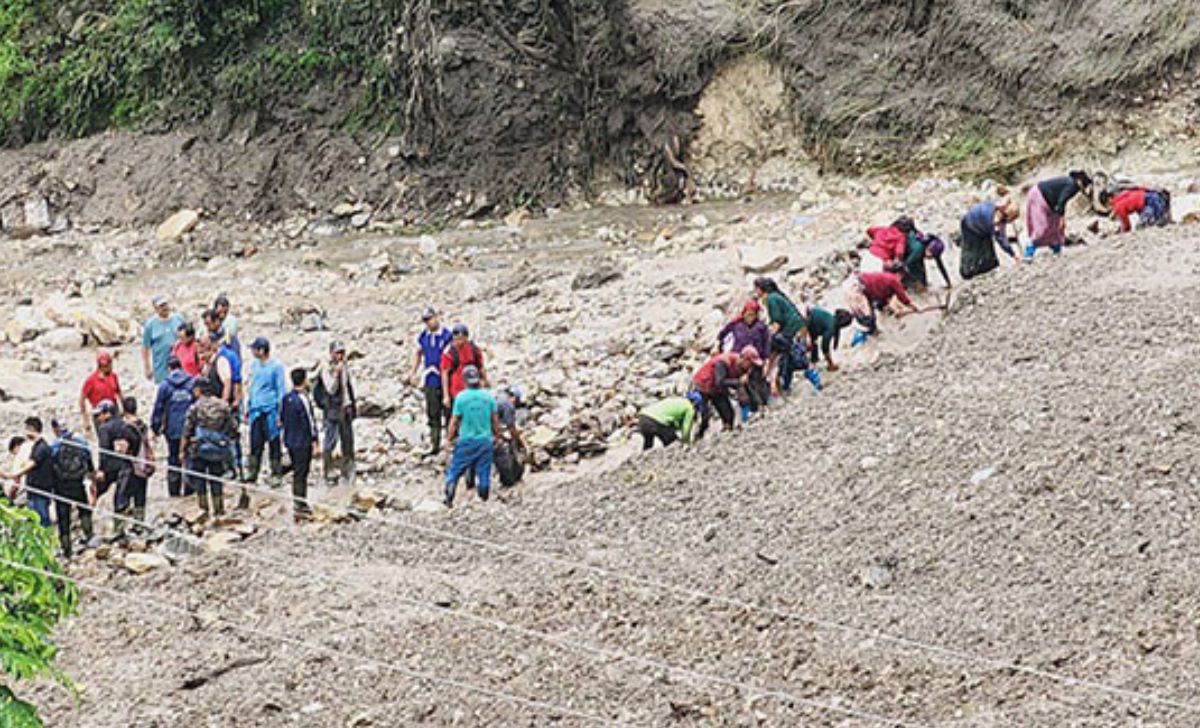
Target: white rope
539 705
950 653
834 705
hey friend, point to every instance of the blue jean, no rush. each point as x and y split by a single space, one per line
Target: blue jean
40 505
473 455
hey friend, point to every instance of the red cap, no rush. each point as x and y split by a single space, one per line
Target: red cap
751 305
103 358
750 354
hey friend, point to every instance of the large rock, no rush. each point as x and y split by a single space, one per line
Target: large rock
178 225
596 275
99 326
26 324
757 259
140 563
62 339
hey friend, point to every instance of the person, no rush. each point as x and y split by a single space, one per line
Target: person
130 496
268 387
38 471
1153 207
431 347
227 323
825 333
115 455
786 324
922 247
300 438
209 430
748 329
226 366
510 450
15 463
461 353
175 397
715 380
866 292
72 465
1046 211
102 385
984 226
669 420
159 335
186 349
474 426
335 396
888 246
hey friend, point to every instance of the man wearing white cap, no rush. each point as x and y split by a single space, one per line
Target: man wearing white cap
158 338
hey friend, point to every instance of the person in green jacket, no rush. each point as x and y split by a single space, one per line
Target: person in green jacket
825 333
786 324
669 420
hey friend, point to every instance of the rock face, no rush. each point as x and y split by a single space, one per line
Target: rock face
178 225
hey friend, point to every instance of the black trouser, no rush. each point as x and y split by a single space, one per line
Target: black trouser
652 428
757 392
177 484
71 494
211 484
437 414
719 400
260 439
301 466
131 491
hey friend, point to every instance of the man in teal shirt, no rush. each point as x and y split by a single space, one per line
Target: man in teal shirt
268 387
474 426
158 338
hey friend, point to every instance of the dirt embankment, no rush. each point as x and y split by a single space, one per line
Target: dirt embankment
519 107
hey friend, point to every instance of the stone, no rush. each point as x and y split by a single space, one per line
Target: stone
979 476
140 563
325 228
517 217
359 220
37 213
429 505
346 209
216 541
368 498
869 462
62 339
178 225
759 259
596 275
178 547
26 324
877 576
427 245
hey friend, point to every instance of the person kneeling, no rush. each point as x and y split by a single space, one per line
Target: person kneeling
474 426
669 420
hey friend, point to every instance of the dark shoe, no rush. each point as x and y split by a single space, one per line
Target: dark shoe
244 500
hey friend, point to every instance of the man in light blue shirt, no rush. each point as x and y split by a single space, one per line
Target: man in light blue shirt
158 338
474 426
268 387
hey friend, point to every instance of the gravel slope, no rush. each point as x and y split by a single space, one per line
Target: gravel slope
1074 379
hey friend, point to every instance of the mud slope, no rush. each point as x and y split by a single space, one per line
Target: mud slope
1074 379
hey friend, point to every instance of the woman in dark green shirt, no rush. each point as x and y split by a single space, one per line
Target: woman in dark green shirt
786 324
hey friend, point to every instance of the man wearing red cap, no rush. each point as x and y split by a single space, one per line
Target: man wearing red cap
717 379
101 385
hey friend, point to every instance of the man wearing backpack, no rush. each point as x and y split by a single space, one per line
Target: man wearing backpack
115 453
335 396
72 464
130 498
461 354
431 347
209 430
175 396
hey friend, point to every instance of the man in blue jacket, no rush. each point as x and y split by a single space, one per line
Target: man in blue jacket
268 387
175 396
300 438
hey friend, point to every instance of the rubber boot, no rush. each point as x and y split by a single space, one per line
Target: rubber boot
435 438
860 338
253 466
85 525
276 472
243 500
1029 251
745 410
814 378
349 470
331 473
118 533
139 514
218 502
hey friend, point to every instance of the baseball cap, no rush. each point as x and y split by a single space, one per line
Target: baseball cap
336 346
160 300
516 392
261 343
173 362
471 375
461 330
750 354
106 407
428 313
103 358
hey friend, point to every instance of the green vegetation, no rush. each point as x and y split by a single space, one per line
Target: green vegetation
79 67
31 604
973 142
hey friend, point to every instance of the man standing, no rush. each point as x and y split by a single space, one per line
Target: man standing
227 322
300 438
130 498
208 434
116 456
158 338
461 353
101 386
38 471
187 350
431 346
268 387
474 426
72 464
175 397
335 397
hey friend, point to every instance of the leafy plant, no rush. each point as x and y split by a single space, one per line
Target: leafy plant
31 604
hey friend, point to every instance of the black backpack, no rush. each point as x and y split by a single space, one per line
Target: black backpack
73 461
508 463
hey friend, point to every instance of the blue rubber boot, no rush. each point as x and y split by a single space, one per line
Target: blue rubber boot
1029 251
814 378
745 409
860 338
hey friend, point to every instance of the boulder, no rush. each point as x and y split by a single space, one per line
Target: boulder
217 541
427 245
140 563
596 275
37 213
178 225
26 324
757 259
62 339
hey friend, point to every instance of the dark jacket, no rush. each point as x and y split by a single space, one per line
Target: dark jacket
1058 192
299 428
175 397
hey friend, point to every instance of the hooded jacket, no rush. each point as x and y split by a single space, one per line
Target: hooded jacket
175 396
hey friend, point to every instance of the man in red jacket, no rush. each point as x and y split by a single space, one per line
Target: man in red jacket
717 379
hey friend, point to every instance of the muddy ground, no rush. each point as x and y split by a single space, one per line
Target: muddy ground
1019 490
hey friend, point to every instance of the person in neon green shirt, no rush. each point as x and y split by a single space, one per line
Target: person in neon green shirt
669 420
